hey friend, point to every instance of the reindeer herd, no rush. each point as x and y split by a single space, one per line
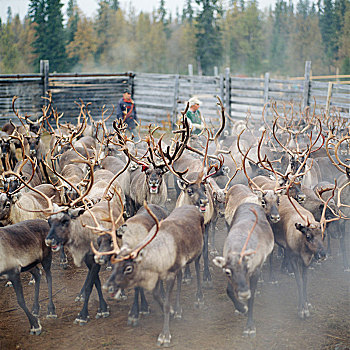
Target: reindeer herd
148 209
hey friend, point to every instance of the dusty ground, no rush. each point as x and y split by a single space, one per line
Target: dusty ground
216 326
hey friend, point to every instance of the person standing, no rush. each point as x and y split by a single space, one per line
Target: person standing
126 110
194 115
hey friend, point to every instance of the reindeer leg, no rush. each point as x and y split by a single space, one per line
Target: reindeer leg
144 308
178 308
187 275
157 295
206 273
306 302
133 317
37 276
342 241
164 337
103 310
46 263
250 330
272 277
63 259
199 294
213 250
298 278
35 326
81 296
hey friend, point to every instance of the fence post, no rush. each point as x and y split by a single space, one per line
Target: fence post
329 96
306 89
228 91
131 84
266 87
176 97
222 87
44 71
216 71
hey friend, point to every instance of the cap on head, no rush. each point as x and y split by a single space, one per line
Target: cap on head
126 91
194 101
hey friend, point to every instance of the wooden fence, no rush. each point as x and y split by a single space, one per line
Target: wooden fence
159 98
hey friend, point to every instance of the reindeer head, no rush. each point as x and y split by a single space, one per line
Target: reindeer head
154 177
33 143
60 227
236 270
312 239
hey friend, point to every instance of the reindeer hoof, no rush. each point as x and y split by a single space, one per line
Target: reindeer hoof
31 282
51 314
79 298
109 268
133 321
249 331
164 340
36 330
187 280
103 314
213 252
35 313
242 310
64 264
81 321
346 269
199 304
178 314
8 284
145 312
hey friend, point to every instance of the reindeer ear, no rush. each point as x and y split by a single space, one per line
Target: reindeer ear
300 227
139 257
258 193
281 192
219 261
181 184
121 230
74 213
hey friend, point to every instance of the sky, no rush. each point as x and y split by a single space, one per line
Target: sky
89 7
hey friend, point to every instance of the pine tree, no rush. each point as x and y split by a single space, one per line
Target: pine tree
72 25
329 32
49 44
55 37
208 45
344 42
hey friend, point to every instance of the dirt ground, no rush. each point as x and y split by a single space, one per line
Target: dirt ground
215 326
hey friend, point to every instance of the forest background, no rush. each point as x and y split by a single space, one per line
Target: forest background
238 35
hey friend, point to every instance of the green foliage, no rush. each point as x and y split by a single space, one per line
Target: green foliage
208 45
208 33
49 43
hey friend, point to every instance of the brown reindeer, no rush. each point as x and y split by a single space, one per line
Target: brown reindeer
22 247
248 244
175 242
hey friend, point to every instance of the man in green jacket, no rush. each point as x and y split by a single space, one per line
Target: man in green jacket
194 116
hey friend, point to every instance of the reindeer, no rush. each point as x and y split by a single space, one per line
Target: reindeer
129 235
72 227
301 237
22 247
243 257
173 243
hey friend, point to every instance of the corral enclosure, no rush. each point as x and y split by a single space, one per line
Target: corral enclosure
159 98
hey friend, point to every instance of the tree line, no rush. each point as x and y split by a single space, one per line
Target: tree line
204 33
